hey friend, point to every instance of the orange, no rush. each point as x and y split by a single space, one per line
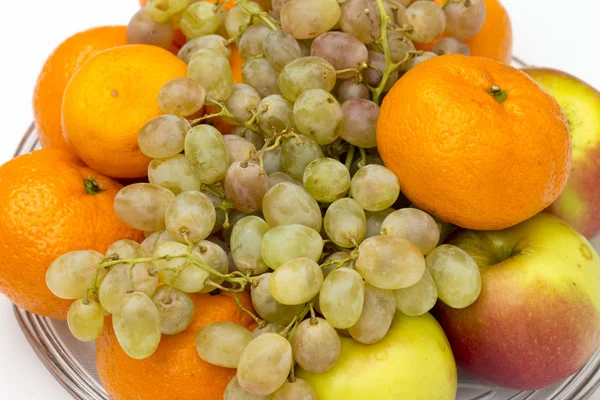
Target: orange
236 63
474 141
109 99
56 72
495 38
47 212
174 371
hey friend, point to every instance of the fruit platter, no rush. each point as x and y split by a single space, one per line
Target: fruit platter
307 200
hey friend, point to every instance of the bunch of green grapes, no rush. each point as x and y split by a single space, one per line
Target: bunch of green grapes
295 207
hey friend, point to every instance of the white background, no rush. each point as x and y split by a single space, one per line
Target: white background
553 33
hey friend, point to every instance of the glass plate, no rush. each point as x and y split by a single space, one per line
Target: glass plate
73 362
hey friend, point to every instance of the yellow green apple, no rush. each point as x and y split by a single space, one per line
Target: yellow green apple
413 362
537 320
579 203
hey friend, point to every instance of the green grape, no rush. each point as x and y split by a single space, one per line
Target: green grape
272 161
216 43
326 179
297 153
287 242
70 275
239 149
257 139
237 17
245 185
268 328
163 136
280 48
206 152
163 10
345 223
304 74
242 103
342 297
414 225
296 281
456 275
261 75
281 177
215 257
423 21
85 319
181 96
275 115
246 240
213 72
298 389
173 173
150 244
400 47
234 217
222 343
360 122
307 19
413 62
234 391
190 217
389 262
251 43
137 325
126 249
375 187
374 74
342 50
176 271
175 308
375 220
376 317
142 206
201 19
350 89
265 364
464 19
418 299
144 30
450 45
267 307
316 345
317 114
120 279
286 204
355 21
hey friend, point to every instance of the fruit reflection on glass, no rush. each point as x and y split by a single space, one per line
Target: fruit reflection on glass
279 248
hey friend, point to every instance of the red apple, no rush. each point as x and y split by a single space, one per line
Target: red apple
537 320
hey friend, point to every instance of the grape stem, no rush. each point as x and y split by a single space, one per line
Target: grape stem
448 2
224 112
272 23
261 323
297 319
363 158
350 157
338 263
273 143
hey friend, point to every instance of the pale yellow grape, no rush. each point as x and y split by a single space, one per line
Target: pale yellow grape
173 173
234 391
389 262
265 364
234 217
120 279
162 11
268 328
163 136
297 281
201 19
342 297
376 317
286 242
267 307
318 115
183 275
246 241
262 76
213 72
281 177
142 29
175 308
238 17
154 240
337 256
181 96
326 179
142 206
316 345
414 225
345 223
375 220
222 343
287 204
418 299
215 257
456 275
306 73
190 217
210 42
307 19
70 275
297 154
242 103
375 187
137 325
275 115
85 319
206 152
126 249
299 389
272 161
